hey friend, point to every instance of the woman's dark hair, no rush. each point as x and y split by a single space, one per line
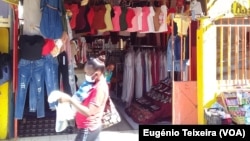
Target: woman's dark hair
97 63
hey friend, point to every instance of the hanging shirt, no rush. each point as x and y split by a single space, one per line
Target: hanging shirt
90 17
129 17
157 19
145 14
116 18
151 27
107 19
162 18
31 46
138 12
80 18
195 8
98 20
183 23
86 28
32 17
48 47
73 8
134 22
123 21
51 24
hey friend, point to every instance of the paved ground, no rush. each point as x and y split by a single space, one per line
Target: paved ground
121 132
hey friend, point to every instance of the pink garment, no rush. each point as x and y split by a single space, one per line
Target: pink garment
116 18
134 22
129 17
145 14
138 13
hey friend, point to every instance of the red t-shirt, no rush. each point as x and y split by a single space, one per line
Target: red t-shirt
94 121
129 16
48 46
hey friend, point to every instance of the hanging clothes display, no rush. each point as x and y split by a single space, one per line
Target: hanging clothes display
51 25
142 19
128 78
143 69
177 49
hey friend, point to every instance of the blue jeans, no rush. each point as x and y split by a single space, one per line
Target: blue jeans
174 55
177 48
30 72
51 76
5 70
86 135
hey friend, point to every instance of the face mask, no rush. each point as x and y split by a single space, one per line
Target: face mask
89 78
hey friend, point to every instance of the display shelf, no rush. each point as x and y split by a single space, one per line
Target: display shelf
235 103
153 106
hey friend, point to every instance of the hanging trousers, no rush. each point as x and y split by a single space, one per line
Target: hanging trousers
63 71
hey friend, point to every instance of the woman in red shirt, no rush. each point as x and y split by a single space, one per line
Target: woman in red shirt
90 110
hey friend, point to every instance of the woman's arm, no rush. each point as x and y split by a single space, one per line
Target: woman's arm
91 109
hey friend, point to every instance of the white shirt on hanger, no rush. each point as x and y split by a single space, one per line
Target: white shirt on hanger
163 16
196 9
31 17
151 27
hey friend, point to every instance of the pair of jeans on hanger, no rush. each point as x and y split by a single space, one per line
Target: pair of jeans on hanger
30 76
174 55
51 76
35 75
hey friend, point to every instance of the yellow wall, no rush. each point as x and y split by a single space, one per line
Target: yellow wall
206 67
